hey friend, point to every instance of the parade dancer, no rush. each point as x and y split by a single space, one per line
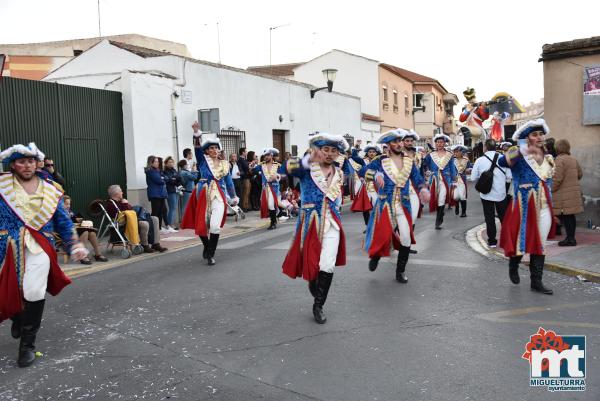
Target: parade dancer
459 193
31 210
391 222
366 194
319 242
270 197
528 221
442 175
206 211
410 150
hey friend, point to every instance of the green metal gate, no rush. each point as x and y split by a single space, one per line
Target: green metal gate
81 129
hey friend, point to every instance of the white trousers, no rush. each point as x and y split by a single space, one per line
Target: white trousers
271 199
441 190
415 204
544 224
403 227
217 208
35 280
460 192
329 248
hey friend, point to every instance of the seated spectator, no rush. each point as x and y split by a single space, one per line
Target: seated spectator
290 203
134 229
54 175
188 179
86 232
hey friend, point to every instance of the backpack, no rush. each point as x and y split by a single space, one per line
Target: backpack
485 181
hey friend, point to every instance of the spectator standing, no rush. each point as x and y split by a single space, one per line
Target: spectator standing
157 191
566 190
54 175
234 170
85 231
494 201
188 155
242 163
188 179
255 181
172 181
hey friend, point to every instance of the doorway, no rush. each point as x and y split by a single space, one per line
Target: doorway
279 141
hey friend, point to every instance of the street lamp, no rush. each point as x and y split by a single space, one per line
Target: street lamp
329 75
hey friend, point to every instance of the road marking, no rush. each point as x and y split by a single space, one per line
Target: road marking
416 261
507 316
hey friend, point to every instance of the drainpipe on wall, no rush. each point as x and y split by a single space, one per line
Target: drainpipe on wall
181 82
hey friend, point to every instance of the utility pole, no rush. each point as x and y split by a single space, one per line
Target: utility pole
99 29
219 41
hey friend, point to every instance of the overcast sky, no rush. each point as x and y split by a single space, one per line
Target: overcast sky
491 46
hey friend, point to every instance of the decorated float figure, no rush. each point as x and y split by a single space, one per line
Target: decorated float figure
391 222
270 197
31 210
528 220
459 192
439 164
366 194
206 210
319 243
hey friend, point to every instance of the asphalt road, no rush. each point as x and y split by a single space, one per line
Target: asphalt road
173 328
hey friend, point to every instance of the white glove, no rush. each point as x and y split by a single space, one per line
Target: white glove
78 252
234 201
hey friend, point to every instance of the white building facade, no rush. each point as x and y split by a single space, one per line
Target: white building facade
357 76
162 96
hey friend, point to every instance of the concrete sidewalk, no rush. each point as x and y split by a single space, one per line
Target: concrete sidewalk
173 241
582 260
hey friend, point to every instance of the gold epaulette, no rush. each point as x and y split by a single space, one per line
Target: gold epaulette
56 185
370 175
512 153
550 160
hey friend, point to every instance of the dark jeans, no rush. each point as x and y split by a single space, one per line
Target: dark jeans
489 211
568 220
159 209
237 184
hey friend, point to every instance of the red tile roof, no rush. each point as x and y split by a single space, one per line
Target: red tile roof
411 76
279 70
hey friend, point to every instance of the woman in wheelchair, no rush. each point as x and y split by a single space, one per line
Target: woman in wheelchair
86 231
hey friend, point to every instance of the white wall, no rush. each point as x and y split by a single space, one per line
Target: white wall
356 76
97 66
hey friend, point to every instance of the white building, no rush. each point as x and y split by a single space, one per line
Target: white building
358 76
164 94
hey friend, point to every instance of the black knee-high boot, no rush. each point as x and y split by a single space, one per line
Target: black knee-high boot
31 319
322 289
373 262
513 269
413 250
457 208
463 203
213 240
15 328
403 253
205 251
366 216
273 217
439 219
536 268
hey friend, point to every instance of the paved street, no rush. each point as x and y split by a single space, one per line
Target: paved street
173 328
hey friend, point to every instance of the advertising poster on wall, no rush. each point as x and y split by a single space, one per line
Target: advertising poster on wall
591 94
591 84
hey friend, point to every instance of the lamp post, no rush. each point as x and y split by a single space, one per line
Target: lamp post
329 75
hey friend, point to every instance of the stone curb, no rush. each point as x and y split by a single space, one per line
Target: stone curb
85 271
476 241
